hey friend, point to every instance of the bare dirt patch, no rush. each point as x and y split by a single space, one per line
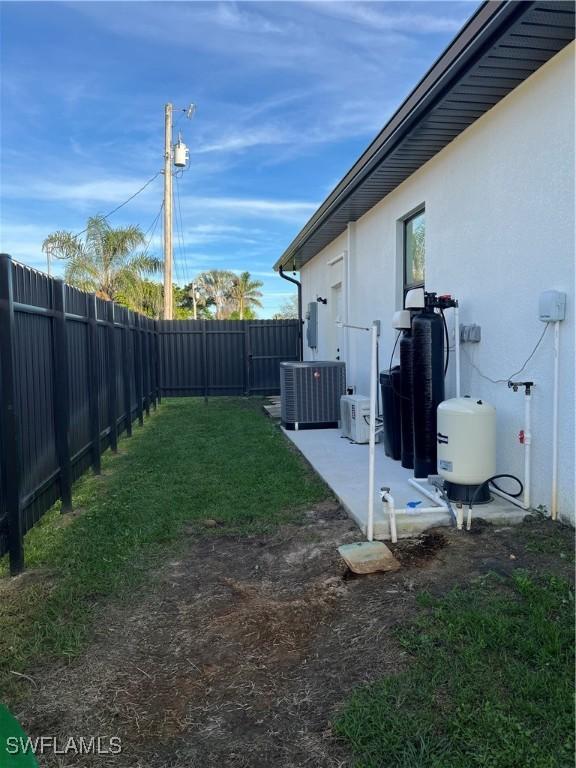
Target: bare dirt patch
247 646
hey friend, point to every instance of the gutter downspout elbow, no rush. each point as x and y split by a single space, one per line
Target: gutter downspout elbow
298 284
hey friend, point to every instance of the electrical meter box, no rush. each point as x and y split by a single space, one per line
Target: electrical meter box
312 325
552 306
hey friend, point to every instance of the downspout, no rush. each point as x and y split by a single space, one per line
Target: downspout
298 284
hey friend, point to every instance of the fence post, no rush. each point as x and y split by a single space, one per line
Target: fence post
157 362
112 383
247 357
61 393
152 362
10 443
145 364
205 359
138 368
93 383
126 375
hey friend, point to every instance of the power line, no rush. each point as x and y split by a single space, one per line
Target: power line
152 229
177 259
180 225
142 188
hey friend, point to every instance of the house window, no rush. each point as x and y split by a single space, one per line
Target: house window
414 251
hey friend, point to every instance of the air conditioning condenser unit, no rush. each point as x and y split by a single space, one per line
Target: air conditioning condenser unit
310 393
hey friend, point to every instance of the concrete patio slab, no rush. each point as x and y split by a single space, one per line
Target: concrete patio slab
344 467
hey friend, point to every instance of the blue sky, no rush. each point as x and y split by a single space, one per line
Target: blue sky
288 94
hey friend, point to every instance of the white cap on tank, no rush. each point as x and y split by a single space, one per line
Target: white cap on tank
401 319
414 299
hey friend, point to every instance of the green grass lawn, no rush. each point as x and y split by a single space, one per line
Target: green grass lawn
490 683
223 461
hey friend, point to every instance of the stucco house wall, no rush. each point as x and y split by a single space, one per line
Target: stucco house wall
499 206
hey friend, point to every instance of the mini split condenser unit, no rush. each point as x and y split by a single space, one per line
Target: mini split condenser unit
355 418
310 393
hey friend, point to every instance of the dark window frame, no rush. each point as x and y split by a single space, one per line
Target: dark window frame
405 222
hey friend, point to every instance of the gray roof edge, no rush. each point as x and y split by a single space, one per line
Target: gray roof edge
488 18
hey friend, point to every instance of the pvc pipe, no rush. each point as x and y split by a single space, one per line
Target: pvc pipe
511 499
459 517
457 346
527 448
372 442
435 497
555 396
389 501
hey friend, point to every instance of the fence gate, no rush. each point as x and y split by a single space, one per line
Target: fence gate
224 357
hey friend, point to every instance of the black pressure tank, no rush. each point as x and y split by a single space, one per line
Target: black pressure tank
427 384
406 422
390 386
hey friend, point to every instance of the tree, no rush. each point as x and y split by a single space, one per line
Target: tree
216 287
248 314
246 294
185 301
288 310
106 262
147 298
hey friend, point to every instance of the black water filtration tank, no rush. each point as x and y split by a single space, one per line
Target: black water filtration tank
390 386
427 385
406 421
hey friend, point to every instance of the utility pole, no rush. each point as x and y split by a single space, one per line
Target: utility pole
168 308
48 258
194 300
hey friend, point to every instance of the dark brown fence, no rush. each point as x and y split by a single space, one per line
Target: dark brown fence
76 371
224 357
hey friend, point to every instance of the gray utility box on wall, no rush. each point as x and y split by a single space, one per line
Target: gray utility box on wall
310 393
312 325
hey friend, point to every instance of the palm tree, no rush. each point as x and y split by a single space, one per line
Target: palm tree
216 285
245 293
106 261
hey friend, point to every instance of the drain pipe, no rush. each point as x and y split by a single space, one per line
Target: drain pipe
298 284
554 497
372 446
436 496
527 444
457 346
388 499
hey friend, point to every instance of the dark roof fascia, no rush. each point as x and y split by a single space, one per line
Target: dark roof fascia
487 20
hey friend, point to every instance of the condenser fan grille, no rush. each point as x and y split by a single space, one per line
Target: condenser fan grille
310 393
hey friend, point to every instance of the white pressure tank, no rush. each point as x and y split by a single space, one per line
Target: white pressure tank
466 446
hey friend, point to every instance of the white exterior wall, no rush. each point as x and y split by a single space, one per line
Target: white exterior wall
499 229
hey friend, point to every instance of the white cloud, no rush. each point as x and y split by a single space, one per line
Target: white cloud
243 139
106 190
113 190
376 16
346 60
279 209
275 82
